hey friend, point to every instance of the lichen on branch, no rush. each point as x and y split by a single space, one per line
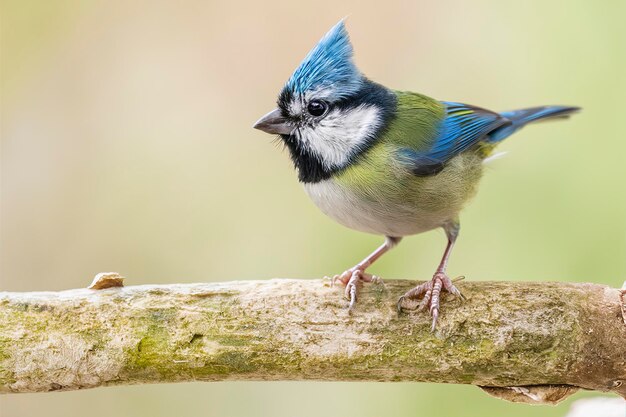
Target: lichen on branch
519 340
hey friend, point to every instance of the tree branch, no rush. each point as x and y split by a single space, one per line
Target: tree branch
544 339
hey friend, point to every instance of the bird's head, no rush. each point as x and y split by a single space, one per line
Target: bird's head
328 112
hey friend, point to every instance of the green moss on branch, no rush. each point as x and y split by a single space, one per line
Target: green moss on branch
551 335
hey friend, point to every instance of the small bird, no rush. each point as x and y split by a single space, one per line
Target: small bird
392 163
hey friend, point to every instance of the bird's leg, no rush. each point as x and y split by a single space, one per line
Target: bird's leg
352 277
431 290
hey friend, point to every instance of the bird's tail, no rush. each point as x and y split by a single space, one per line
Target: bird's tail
520 118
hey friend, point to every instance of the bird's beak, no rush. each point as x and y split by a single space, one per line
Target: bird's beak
274 123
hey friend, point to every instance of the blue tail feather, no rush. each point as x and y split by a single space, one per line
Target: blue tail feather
520 118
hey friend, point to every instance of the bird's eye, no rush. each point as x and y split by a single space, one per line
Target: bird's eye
317 108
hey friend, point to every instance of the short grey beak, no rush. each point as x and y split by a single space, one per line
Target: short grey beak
274 123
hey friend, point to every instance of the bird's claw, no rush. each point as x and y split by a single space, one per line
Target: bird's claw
352 278
430 292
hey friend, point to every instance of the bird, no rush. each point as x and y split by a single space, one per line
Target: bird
387 162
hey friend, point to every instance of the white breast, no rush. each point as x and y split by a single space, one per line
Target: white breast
380 218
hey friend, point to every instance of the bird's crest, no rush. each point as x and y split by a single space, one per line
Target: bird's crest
328 66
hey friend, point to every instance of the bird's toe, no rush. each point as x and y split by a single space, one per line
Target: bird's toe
427 295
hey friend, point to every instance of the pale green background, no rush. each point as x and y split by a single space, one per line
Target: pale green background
127 146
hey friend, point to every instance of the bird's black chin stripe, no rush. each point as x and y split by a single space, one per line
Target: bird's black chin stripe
309 165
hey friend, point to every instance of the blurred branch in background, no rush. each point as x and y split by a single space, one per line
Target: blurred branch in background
530 342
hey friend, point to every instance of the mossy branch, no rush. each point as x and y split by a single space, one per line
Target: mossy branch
536 342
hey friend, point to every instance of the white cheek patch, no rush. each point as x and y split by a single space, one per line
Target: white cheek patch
340 133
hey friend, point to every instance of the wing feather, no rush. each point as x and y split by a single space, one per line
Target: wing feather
463 127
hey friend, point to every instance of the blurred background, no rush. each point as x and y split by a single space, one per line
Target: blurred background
127 146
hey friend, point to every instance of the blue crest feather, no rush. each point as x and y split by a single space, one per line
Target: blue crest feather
328 65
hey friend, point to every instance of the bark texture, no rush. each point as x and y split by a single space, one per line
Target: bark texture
533 342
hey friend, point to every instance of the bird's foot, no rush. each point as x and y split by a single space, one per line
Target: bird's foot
352 279
430 292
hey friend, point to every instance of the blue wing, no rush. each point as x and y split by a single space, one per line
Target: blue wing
463 127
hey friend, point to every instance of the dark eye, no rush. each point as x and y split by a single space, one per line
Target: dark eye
317 108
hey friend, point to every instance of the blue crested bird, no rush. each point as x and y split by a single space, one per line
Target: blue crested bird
392 163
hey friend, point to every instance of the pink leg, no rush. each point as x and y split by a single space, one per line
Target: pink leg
431 290
352 277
